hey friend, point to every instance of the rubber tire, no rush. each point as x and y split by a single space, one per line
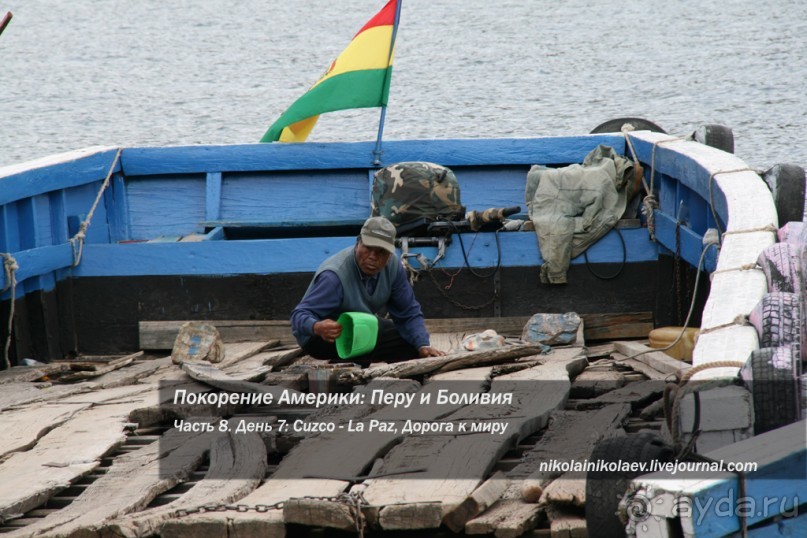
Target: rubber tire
772 376
615 126
781 263
777 319
715 136
605 489
787 184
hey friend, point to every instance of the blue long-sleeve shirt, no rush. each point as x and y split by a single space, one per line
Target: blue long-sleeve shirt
326 296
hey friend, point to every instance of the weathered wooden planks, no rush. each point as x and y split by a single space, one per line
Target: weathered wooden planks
237 466
29 478
455 361
100 370
569 435
130 484
458 463
256 367
20 374
23 427
322 455
209 374
20 394
638 394
596 380
657 360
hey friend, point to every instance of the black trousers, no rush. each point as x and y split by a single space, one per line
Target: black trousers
390 347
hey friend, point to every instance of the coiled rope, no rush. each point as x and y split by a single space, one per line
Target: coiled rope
10 266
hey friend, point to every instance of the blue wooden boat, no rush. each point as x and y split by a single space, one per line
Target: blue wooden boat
215 232
98 240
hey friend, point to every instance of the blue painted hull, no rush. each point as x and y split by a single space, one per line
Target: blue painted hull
237 212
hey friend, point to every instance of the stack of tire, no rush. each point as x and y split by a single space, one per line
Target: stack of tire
775 372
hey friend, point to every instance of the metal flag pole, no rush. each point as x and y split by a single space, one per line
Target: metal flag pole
377 151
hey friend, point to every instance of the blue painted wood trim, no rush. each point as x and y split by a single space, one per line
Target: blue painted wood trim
793 527
56 176
323 156
519 249
40 261
213 196
685 170
782 480
690 243
117 204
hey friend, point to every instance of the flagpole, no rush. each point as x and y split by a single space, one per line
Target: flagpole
377 151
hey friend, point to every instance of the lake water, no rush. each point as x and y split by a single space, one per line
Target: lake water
120 72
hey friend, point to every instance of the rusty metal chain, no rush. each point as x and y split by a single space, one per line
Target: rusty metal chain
354 500
224 507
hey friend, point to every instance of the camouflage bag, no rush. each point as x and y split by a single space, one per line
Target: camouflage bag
408 191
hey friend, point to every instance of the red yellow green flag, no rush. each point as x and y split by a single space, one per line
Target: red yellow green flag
358 78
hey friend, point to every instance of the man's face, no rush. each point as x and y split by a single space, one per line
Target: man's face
371 260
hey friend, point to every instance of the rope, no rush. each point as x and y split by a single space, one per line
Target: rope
649 202
766 228
672 410
744 267
711 196
78 239
691 307
10 266
672 404
740 320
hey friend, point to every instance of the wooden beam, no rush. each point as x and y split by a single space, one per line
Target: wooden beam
657 360
161 334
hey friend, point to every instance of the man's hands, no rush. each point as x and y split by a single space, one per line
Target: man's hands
428 351
328 330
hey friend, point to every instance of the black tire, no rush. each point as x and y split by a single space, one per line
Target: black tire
787 184
716 136
781 263
772 376
615 126
605 489
778 320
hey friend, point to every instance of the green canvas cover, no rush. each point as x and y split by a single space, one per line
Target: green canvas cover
407 191
574 206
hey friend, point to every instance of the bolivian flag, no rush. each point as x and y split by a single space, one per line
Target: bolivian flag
358 78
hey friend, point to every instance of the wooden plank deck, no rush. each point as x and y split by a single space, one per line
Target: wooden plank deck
451 480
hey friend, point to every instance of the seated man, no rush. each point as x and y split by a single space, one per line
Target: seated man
366 277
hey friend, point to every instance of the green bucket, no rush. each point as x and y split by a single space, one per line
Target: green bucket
359 334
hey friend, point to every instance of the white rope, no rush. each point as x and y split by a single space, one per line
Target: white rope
711 197
78 239
11 266
766 228
691 306
744 267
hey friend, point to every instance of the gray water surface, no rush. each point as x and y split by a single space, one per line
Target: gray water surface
110 72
